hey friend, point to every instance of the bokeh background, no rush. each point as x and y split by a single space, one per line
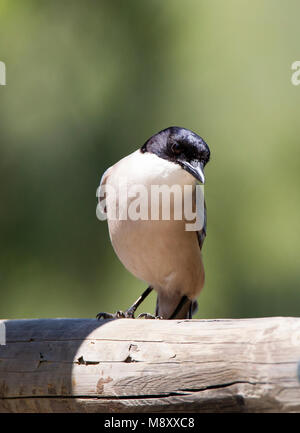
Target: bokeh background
87 83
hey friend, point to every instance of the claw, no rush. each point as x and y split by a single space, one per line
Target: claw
148 316
105 316
118 315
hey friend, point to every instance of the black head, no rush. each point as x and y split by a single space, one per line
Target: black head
181 146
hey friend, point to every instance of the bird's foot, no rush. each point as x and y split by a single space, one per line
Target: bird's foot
128 314
148 316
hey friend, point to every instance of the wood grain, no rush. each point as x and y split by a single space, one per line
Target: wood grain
127 365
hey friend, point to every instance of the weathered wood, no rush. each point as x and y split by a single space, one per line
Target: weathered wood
126 365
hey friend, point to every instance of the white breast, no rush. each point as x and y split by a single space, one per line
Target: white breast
160 253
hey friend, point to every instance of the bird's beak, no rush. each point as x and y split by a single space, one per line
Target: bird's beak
195 168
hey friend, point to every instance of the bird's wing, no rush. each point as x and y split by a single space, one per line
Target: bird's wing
105 176
202 233
191 306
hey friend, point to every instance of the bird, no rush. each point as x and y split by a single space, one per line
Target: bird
160 252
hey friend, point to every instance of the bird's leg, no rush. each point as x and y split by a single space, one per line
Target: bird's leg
138 302
183 300
190 313
131 310
129 313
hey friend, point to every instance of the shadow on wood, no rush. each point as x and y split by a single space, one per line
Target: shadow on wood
126 365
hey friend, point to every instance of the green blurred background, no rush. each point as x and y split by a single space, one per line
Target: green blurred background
87 83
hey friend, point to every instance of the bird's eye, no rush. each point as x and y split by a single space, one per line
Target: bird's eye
176 148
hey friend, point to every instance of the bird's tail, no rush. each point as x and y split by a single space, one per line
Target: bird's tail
166 305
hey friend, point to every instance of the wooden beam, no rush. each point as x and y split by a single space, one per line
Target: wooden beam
127 365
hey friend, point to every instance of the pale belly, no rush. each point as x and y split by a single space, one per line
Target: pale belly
160 253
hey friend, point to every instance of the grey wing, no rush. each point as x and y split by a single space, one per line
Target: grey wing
202 233
192 307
